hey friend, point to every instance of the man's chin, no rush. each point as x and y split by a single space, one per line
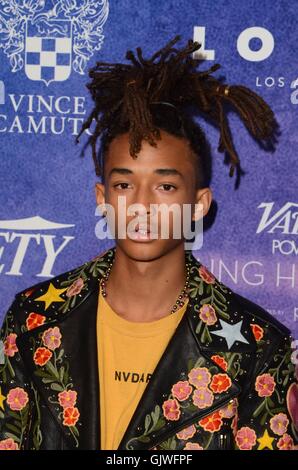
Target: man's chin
147 251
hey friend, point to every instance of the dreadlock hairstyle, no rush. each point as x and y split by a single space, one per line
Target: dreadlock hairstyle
157 93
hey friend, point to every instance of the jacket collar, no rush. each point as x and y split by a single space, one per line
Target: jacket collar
204 329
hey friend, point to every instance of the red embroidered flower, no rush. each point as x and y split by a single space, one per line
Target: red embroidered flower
28 292
206 275
258 331
212 422
70 416
220 383
181 390
220 361
10 347
42 356
265 385
171 410
246 438
17 399
8 444
34 320
67 398
285 442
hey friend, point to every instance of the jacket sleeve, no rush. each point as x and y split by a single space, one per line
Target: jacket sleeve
15 392
268 414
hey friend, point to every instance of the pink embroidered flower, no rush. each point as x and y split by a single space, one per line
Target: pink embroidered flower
208 315
34 320
220 361
285 442
246 438
42 356
257 330
10 347
206 275
75 287
52 338
265 385
67 398
220 383
171 410
17 399
292 403
202 397
230 410
212 422
70 416
187 433
181 390
279 424
199 377
192 446
8 444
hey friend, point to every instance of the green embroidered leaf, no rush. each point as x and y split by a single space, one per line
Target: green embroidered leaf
60 355
144 439
52 370
61 373
13 428
160 424
259 409
57 387
14 415
147 423
12 436
75 430
41 373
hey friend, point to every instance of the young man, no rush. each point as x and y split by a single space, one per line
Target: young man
142 347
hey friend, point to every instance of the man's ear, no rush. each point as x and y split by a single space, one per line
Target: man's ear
99 194
203 203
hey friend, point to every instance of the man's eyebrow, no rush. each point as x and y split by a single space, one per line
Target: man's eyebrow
158 171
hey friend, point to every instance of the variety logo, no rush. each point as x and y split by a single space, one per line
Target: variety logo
23 231
52 39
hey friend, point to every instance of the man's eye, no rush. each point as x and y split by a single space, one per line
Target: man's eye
167 186
121 184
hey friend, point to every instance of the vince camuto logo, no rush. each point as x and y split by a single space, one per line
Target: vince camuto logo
133 377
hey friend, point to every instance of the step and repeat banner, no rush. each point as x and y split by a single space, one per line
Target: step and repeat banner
48 209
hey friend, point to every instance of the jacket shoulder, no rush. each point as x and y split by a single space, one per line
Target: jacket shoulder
259 315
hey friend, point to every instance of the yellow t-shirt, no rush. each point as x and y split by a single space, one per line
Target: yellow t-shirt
128 353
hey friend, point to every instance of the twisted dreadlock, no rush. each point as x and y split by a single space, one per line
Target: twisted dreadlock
128 98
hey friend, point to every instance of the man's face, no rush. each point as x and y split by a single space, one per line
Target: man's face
159 175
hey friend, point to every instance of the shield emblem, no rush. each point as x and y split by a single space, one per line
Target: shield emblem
48 50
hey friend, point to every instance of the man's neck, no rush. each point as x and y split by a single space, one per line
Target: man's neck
145 291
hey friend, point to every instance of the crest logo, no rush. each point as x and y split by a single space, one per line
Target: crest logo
51 37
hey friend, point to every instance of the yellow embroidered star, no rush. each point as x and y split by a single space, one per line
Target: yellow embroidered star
265 441
2 398
52 295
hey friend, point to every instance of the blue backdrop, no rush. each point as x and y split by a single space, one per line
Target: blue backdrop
47 221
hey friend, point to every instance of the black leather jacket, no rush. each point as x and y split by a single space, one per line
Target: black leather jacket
225 380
